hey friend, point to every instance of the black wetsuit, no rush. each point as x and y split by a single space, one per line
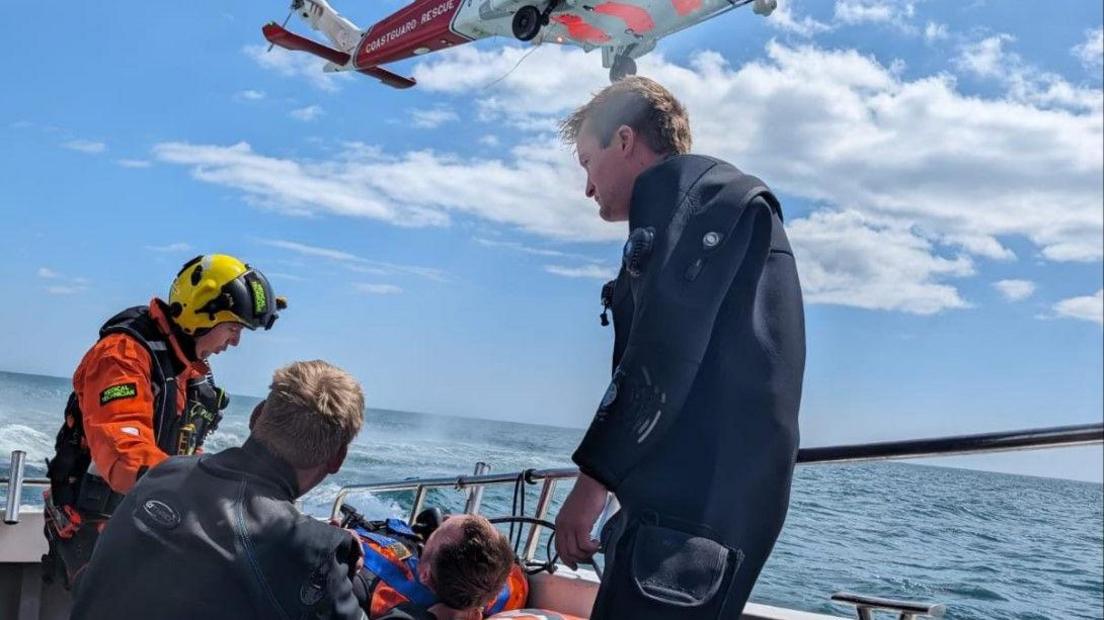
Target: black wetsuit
218 536
697 434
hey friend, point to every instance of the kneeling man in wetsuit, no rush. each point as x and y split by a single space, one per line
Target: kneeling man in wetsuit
454 568
697 433
219 536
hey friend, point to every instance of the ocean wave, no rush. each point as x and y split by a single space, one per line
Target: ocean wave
38 445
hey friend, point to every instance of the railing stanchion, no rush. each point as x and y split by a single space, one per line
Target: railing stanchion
419 499
15 487
543 503
475 495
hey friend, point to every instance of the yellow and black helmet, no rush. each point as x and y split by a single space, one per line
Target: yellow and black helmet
218 288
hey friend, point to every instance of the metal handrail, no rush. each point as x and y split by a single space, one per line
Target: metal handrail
865 606
1031 439
28 482
1061 436
1004 441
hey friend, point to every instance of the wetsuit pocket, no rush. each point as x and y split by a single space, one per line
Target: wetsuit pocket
681 569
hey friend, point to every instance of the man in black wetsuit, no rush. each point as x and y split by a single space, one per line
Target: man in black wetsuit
697 433
219 536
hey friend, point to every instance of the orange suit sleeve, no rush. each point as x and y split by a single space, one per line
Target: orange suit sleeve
116 399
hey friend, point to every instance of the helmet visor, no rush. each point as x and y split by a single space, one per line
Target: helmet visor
251 300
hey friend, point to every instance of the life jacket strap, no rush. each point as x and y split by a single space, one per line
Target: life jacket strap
390 573
499 603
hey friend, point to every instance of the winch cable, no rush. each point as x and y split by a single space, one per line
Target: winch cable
517 508
512 69
532 567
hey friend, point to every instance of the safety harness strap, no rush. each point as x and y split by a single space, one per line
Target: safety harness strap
388 572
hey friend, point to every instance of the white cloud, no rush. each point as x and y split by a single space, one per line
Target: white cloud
278 275
1015 290
1087 308
354 262
897 14
1024 82
311 250
935 32
378 289
489 140
62 284
249 95
985 58
61 289
596 272
86 146
846 259
863 11
133 163
297 65
170 248
783 19
556 78
890 12
823 104
520 247
1091 51
914 162
433 118
539 190
308 113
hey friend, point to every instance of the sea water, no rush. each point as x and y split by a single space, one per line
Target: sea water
987 545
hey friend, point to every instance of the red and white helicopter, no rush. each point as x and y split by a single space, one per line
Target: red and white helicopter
622 29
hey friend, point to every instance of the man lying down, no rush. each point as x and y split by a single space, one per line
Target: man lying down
438 568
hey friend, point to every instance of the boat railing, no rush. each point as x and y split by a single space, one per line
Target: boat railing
1031 439
15 483
865 606
1005 441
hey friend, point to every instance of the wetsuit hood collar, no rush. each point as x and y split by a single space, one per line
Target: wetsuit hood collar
264 464
660 190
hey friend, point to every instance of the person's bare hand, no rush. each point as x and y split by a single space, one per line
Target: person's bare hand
576 519
357 549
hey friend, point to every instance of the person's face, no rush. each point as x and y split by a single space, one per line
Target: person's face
220 338
609 171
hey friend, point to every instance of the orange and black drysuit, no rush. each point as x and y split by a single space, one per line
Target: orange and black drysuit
390 574
139 396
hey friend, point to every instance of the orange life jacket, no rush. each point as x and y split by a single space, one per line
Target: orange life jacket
392 564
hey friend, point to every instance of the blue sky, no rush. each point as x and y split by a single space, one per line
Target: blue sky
940 165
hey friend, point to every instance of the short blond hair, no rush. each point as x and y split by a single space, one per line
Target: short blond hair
312 411
650 109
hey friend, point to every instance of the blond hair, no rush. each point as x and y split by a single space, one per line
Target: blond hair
650 109
313 410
